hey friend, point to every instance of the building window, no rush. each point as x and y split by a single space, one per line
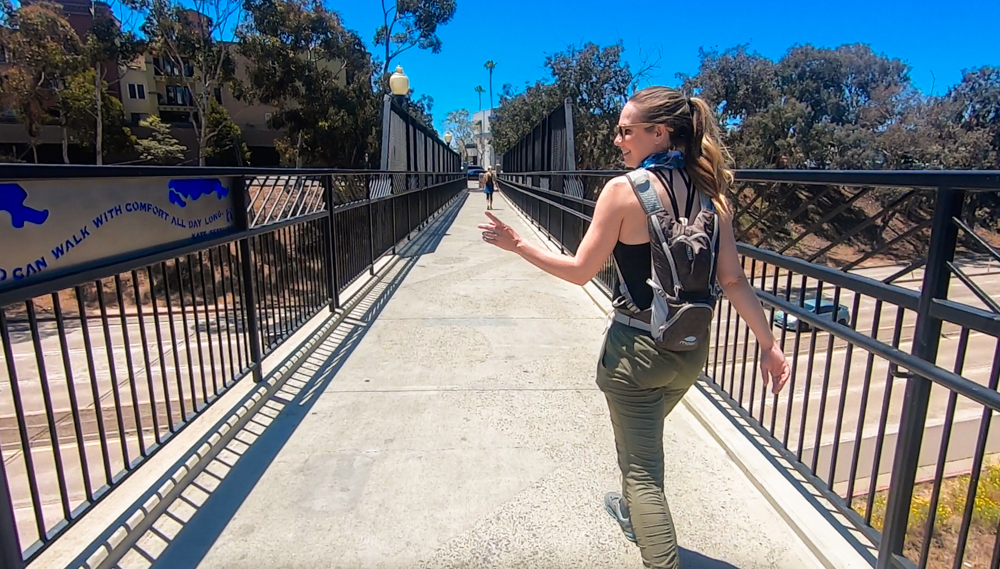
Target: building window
136 91
131 90
142 91
136 119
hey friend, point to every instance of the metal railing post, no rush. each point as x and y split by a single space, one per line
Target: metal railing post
331 247
937 275
395 228
371 237
10 545
250 302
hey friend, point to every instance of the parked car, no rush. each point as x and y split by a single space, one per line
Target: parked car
474 172
825 309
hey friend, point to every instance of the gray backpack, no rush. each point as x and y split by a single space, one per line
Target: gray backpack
684 253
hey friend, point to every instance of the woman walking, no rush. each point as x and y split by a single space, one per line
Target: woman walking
489 182
672 144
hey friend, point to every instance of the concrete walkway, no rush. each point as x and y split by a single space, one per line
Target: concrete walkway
453 421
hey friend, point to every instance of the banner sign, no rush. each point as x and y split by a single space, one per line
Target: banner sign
53 225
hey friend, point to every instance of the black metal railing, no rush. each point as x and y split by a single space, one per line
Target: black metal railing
104 362
893 336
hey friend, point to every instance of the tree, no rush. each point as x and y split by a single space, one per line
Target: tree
227 147
160 147
318 74
45 52
193 53
411 23
480 91
108 41
595 79
460 126
490 66
76 106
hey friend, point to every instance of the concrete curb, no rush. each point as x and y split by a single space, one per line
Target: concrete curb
761 466
120 539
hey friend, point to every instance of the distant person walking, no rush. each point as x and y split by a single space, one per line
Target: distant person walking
489 182
668 264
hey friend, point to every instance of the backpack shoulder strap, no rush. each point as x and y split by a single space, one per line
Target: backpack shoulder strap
639 179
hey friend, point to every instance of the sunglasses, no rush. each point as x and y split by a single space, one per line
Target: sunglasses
619 130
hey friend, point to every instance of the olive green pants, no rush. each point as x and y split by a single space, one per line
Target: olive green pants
642 385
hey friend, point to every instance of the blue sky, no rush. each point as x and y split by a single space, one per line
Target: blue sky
933 38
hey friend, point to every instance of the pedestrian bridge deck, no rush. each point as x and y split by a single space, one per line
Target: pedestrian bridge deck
450 419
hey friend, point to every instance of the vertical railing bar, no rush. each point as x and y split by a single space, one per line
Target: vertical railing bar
50 417
173 342
863 407
159 346
144 338
208 325
264 306
22 428
884 414
807 390
92 370
977 465
74 404
795 362
192 375
227 375
949 421
127 344
844 386
281 281
112 369
239 306
826 385
782 342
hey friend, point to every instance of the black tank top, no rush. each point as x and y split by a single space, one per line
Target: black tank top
636 266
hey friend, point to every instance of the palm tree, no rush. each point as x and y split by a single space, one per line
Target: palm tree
480 90
490 65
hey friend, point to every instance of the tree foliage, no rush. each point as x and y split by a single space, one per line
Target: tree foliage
192 42
227 147
596 80
160 147
411 23
44 51
77 106
459 124
318 74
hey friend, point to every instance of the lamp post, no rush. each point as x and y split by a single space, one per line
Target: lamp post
399 84
447 139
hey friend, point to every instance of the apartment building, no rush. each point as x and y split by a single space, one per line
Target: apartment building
152 85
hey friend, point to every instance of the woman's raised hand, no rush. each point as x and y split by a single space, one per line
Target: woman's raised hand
499 233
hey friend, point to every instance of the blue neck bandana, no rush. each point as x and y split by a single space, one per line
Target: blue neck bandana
664 160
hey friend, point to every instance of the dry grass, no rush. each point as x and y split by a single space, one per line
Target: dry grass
948 519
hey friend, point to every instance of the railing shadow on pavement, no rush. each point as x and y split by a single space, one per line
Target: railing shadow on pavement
694 560
189 523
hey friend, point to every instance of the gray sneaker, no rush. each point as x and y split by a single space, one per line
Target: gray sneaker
615 505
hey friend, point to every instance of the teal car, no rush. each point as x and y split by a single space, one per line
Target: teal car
824 309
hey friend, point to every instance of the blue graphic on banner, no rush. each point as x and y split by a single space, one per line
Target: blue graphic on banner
12 197
195 189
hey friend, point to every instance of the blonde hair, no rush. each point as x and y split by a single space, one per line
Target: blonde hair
695 133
